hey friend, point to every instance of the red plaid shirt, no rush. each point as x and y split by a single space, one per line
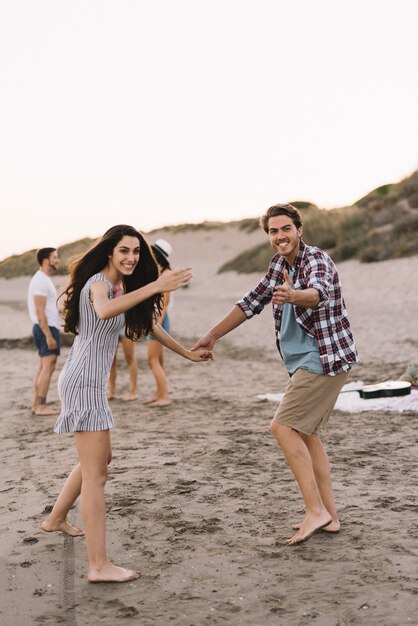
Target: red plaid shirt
328 323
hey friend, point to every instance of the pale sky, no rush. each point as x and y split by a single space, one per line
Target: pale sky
157 112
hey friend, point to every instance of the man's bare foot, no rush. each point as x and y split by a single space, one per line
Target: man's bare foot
110 573
44 409
310 525
128 397
334 527
65 527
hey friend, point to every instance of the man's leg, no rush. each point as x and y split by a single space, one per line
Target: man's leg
322 470
47 368
35 386
299 459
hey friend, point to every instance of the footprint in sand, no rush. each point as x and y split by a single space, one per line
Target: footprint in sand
186 486
122 609
210 525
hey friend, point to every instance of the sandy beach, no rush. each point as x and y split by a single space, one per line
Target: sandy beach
200 498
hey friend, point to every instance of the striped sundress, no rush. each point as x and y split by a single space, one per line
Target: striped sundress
82 384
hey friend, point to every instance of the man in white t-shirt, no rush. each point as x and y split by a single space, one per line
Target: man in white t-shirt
44 314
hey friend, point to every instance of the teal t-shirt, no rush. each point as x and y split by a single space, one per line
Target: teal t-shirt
298 349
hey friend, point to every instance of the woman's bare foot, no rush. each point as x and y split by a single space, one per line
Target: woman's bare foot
65 527
151 400
160 402
334 527
128 397
110 573
310 525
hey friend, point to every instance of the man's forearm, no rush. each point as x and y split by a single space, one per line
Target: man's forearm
234 318
43 323
308 298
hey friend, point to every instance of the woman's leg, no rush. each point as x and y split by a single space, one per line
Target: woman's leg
94 451
130 358
111 391
57 519
155 361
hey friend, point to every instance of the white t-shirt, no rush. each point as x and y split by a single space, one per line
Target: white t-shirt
42 285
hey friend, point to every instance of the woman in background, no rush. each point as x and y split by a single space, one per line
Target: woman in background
128 347
162 251
96 317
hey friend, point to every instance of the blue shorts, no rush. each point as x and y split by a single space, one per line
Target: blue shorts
164 324
40 340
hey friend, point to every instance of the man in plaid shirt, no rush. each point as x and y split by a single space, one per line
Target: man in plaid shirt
315 341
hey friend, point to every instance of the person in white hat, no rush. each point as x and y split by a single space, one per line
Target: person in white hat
128 347
162 251
161 246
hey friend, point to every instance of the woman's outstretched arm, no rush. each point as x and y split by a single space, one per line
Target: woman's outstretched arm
202 354
170 280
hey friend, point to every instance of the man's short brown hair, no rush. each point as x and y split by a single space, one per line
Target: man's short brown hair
44 253
281 209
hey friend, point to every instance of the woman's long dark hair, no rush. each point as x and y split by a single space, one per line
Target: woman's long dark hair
139 319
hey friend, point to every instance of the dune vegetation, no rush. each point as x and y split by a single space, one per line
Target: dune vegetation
25 264
382 225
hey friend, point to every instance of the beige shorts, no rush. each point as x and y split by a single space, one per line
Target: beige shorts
308 400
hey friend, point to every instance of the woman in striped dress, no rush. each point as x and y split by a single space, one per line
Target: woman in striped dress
93 314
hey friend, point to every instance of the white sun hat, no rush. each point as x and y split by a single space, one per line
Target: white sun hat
163 246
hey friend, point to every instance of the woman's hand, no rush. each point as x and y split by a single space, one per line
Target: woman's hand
170 280
201 354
